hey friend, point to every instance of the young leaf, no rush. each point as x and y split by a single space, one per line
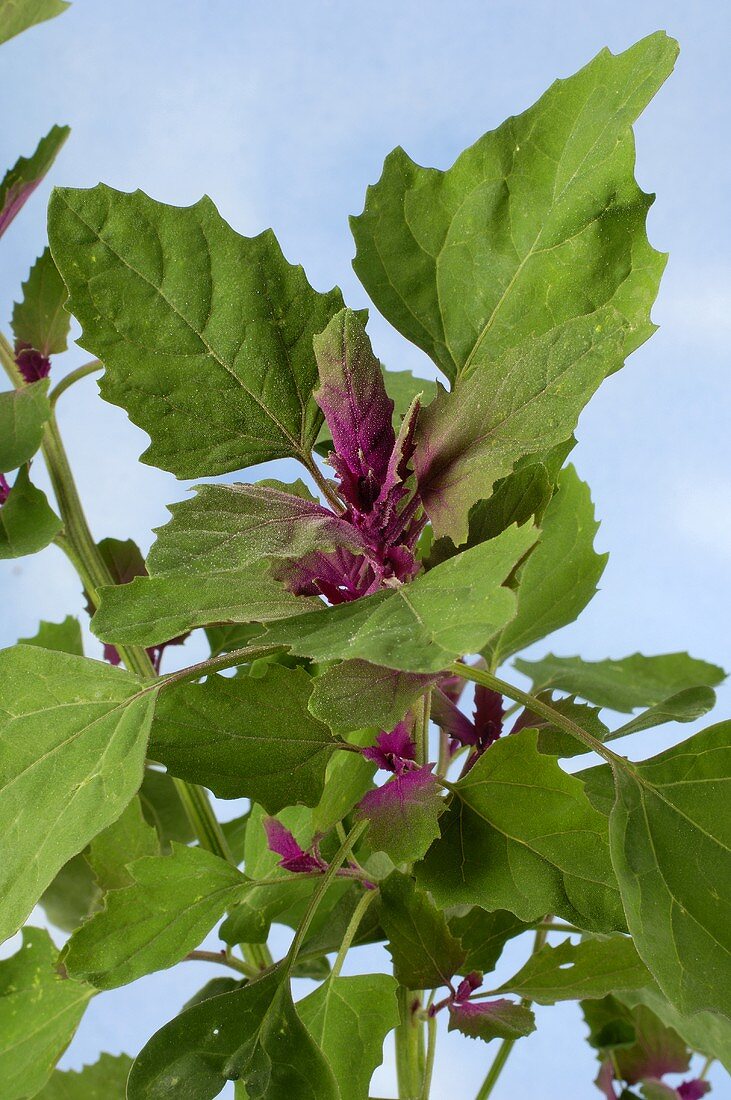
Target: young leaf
641 1045
670 834
40 319
560 576
352 695
127 839
685 706
707 1032
349 775
349 1018
624 684
522 835
483 936
402 814
39 1013
459 261
212 563
522 402
425 953
27 521
575 971
220 321
172 904
104 1080
420 627
20 181
74 735
488 1020
23 414
245 737
64 637
252 1034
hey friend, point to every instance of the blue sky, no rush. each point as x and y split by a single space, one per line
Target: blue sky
283 112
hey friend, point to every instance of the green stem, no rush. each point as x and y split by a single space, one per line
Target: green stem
431 1050
337 861
507 1044
234 657
706 1067
72 377
409 1038
350 931
222 959
322 484
536 706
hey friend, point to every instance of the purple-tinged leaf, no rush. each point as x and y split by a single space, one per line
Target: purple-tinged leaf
22 179
450 718
282 842
357 409
394 751
694 1089
403 814
486 1020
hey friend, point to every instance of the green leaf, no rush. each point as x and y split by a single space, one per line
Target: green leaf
224 637
522 835
173 903
349 1018
560 576
64 637
164 810
554 740
548 194
253 1034
575 971
18 15
39 1013
206 335
27 522
425 953
636 1039
685 706
349 775
670 836
74 735
245 737
623 684
20 181
72 896
706 1032
527 400
127 839
352 695
212 563
123 558
522 495
23 414
483 936
492 1020
104 1080
403 815
420 627
40 319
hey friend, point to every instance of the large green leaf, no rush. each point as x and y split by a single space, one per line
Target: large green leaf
20 181
212 563
172 904
420 627
539 222
623 684
206 335
349 1018
73 734
127 839
354 694
18 15
245 736
525 401
40 319
574 971
39 1013
425 953
23 414
253 1034
560 576
522 835
27 521
103 1080
670 838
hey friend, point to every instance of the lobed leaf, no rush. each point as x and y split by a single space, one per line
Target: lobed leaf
20 181
206 335
575 971
104 1080
73 734
64 636
40 319
425 953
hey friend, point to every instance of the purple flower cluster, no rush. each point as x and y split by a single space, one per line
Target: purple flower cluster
381 514
693 1089
477 733
294 858
395 752
31 363
4 489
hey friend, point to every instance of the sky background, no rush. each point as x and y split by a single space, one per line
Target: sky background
283 113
